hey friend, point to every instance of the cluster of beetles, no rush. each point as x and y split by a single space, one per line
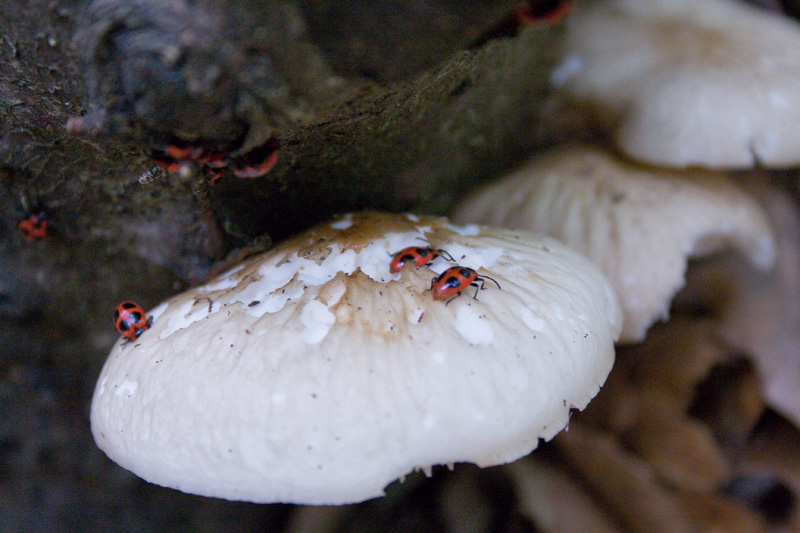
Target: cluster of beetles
449 284
131 321
35 227
213 165
130 318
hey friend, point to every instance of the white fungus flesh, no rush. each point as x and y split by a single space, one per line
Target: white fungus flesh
639 224
710 83
310 374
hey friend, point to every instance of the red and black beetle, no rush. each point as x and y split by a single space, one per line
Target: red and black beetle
452 281
130 320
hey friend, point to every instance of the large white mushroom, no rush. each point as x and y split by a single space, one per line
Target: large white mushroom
711 83
311 374
639 224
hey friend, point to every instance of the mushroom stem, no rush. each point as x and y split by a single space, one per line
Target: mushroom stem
237 255
217 243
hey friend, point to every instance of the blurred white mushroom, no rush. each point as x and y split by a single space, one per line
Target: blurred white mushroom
639 224
758 313
712 83
312 374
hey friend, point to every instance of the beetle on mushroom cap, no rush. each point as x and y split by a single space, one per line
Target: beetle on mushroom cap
130 320
451 282
418 255
300 375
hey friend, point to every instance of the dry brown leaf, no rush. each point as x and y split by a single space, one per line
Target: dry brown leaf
675 357
664 369
714 513
616 406
463 506
681 451
730 401
317 518
624 483
554 500
773 453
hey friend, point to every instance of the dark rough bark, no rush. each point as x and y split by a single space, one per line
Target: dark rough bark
392 39
398 112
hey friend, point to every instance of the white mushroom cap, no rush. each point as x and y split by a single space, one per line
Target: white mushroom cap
310 374
711 83
639 224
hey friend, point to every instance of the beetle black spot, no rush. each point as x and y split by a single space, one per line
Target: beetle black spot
452 282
